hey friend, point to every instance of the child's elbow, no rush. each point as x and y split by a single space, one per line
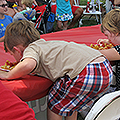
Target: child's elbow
30 65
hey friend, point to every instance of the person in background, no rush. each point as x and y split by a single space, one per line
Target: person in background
63 13
26 4
77 13
76 10
14 1
80 74
109 5
18 2
11 4
116 3
28 13
4 19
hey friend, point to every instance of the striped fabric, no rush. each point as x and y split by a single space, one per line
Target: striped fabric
117 47
69 95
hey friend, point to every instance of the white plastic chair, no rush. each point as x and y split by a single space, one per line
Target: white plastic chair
108 5
77 2
94 12
106 108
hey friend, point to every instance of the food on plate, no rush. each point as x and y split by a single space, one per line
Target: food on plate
8 66
102 46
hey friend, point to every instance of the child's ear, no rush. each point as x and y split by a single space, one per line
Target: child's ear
117 34
17 49
113 35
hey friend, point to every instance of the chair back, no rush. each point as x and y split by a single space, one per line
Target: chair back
106 108
77 2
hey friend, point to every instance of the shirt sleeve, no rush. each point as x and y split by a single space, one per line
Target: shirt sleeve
12 107
10 18
117 47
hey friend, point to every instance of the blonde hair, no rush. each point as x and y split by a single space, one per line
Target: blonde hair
28 3
111 21
21 32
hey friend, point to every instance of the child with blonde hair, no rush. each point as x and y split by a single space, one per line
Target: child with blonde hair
111 28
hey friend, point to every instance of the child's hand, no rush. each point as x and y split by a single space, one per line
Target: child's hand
100 41
66 0
21 69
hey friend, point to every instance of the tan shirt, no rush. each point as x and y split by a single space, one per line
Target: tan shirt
57 58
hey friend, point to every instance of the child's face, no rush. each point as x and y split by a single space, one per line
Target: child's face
3 7
111 36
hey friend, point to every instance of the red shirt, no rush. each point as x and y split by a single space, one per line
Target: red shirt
13 108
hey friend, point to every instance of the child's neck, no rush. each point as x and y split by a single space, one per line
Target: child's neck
2 16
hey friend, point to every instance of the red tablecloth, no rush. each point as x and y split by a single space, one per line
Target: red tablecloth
33 87
80 35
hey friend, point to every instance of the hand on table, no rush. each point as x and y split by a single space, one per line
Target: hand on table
100 41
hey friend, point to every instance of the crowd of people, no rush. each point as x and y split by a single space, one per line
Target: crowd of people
80 74
14 8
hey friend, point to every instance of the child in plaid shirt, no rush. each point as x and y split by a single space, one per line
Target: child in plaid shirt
80 74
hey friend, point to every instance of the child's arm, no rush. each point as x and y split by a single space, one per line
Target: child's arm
21 69
71 3
111 54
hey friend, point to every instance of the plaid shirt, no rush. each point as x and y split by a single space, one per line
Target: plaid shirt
69 95
117 47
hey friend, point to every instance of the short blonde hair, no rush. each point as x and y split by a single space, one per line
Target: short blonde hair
28 3
111 21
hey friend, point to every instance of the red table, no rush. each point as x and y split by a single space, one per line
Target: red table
80 35
33 87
